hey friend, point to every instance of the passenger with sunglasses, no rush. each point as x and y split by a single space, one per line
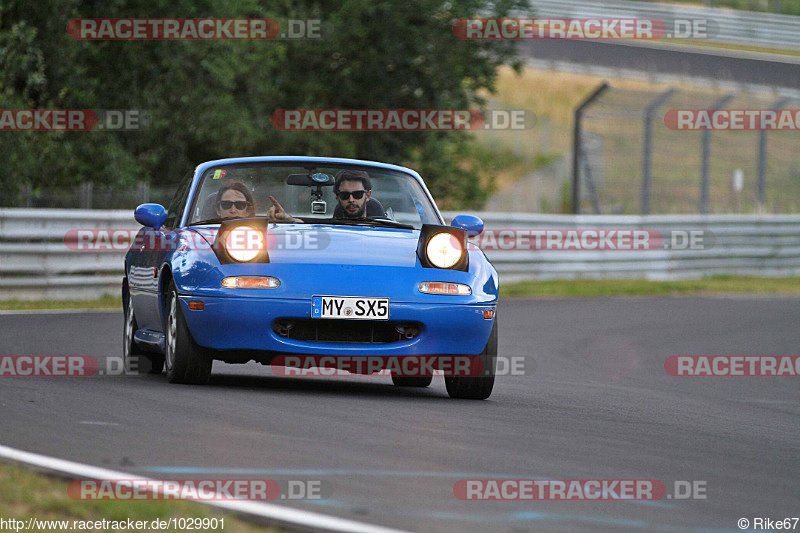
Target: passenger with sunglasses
234 200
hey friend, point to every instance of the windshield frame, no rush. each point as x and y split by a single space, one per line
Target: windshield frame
353 164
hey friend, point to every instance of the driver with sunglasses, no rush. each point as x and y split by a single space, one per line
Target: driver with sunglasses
353 190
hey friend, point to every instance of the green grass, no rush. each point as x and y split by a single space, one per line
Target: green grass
500 164
734 46
25 494
106 302
587 288
581 288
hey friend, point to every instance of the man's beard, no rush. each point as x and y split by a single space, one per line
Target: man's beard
357 214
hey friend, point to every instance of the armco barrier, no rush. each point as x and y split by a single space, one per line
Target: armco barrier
755 245
734 26
35 263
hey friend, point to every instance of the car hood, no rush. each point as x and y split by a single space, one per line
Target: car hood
342 245
344 260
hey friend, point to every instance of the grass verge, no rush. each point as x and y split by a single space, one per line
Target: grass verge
735 47
581 288
25 494
588 288
105 302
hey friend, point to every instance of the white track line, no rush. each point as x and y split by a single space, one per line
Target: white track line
275 515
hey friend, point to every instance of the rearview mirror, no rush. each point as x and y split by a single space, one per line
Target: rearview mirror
317 178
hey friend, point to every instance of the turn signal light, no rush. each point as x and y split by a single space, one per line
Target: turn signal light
441 287
251 282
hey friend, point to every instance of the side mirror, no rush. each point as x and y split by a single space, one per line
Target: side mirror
150 215
471 224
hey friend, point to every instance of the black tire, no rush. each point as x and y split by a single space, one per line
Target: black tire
186 362
132 355
416 381
479 387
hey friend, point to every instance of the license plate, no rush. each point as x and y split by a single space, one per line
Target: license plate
350 307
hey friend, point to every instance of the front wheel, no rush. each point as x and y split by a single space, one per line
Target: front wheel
186 362
479 387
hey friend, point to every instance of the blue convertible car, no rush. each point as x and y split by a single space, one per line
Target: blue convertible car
266 258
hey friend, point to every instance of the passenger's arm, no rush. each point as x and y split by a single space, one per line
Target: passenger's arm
279 214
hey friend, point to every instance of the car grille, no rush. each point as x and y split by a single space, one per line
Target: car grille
353 331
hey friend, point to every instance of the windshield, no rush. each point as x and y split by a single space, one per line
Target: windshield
306 195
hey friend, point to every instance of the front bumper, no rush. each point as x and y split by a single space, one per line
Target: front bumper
246 324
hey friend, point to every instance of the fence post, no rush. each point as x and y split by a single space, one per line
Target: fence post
706 148
660 100
761 182
544 145
85 189
576 146
26 193
144 191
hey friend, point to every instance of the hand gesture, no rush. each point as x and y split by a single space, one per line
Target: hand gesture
278 213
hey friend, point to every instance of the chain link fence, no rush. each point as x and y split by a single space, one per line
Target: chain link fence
628 161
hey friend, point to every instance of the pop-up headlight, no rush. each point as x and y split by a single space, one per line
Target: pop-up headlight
242 241
443 247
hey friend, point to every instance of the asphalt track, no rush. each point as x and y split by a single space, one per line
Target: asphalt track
595 403
692 62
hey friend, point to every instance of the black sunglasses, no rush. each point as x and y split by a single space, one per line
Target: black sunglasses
227 204
358 195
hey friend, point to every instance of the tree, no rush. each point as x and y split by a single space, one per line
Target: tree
211 99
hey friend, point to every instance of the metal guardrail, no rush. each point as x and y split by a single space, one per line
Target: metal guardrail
754 245
743 27
35 263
